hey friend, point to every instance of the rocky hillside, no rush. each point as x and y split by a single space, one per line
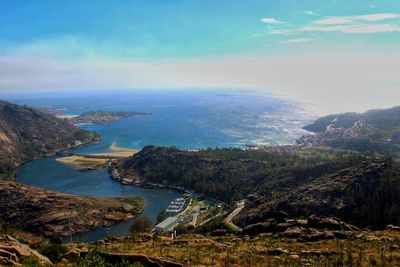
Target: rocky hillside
42 211
340 248
375 131
27 133
357 189
380 118
364 195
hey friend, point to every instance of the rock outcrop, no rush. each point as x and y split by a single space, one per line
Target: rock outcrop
12 252
335 195
313 228
43 211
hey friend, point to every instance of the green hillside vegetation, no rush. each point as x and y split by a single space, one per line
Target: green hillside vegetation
386 119
27 133
362 190
375 131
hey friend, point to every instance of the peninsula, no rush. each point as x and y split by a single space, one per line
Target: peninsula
102 117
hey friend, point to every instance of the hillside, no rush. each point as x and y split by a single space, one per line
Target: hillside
380 118
27 133
365 195
349 187
361 248
375 131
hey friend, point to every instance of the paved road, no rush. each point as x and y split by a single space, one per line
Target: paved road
229 218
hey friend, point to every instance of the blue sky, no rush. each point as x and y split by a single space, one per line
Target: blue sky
71 45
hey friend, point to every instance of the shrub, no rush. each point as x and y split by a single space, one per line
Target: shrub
141 225
52 251
94 258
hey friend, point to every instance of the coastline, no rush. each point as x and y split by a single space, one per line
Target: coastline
97 160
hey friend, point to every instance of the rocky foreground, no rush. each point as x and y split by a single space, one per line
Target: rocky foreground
364 248
50 213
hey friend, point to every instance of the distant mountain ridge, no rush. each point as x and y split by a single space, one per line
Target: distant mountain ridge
375 131
388 118
27 133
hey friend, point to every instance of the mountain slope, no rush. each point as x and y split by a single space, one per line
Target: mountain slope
365 195
375 131
26 133
350 187
379 118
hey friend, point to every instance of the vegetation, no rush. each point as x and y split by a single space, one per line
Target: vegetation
369 249
104 117
94 258
52 251
387 119
364 185
27 133
32 262
141 225
231 174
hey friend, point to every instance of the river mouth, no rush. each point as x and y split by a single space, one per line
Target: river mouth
50 174
191 120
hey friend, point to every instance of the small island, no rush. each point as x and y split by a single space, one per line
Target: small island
103 117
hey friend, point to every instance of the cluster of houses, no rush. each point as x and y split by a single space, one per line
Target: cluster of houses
360 129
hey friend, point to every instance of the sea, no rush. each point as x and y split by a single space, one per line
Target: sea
187 119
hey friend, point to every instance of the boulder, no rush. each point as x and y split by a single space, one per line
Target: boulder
257 228
12 251
218 232
392 227
329 223
293 232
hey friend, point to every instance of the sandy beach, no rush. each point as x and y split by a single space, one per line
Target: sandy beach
66 117
82 161
118 152
98 159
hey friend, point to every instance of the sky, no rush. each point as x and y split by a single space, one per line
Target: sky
336 55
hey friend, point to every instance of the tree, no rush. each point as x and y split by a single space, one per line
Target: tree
141 225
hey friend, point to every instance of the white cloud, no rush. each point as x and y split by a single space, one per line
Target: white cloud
358 28
356 19
333 20
296 40
309 12
372 6
271 21
363 24
378 16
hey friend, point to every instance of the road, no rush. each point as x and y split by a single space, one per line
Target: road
229 218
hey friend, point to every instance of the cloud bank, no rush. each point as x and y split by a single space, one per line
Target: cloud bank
331 83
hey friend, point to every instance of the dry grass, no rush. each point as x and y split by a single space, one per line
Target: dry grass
369 249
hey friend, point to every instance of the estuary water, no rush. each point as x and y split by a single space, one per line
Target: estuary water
188 120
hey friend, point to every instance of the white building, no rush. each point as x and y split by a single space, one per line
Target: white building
167 225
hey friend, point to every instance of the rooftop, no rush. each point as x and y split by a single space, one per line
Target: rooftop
167 222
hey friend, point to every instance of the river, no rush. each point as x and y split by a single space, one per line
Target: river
50 174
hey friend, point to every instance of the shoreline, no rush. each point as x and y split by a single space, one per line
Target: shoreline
97 160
